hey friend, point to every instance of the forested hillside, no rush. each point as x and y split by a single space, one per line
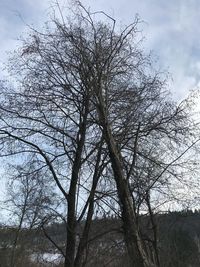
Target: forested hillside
178 242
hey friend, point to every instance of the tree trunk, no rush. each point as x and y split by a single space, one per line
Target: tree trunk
81 255
71 200
134 243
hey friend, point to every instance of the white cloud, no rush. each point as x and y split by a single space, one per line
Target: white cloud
171 29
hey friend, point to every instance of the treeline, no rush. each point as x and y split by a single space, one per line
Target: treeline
178 242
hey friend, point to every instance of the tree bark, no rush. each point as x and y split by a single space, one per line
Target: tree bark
71 200
137 254
81 251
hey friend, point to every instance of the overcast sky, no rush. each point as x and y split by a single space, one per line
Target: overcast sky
171 29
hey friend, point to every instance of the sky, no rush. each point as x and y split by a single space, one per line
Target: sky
171 30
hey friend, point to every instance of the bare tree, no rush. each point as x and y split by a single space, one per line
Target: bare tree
30 196
53 117
91 107
134 111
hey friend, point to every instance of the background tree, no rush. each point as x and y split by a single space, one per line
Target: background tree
30 196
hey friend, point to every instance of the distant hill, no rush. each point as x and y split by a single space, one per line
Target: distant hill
178 242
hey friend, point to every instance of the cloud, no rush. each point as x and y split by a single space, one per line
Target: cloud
171 29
